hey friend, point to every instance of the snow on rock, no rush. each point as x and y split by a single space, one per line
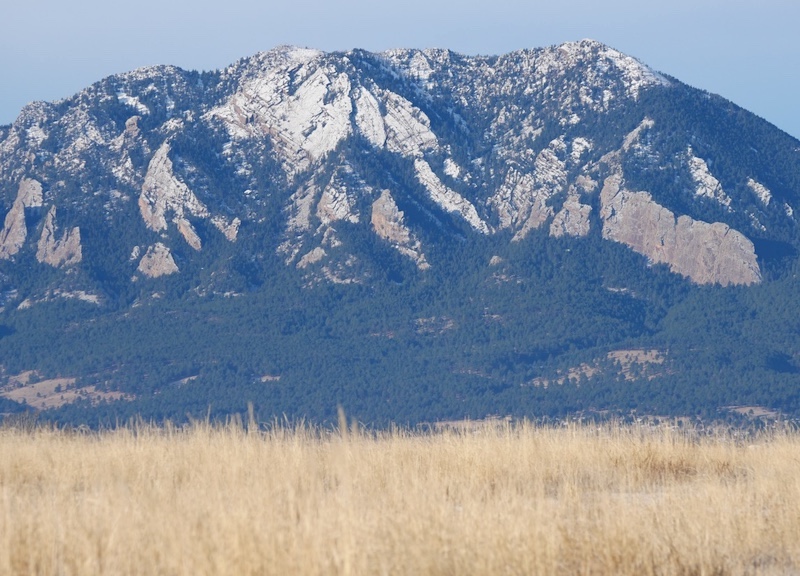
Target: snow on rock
420 66
14 232
636 75
449 200
62 252
451 168
596 61
369 119
402 128
337 202
521 202
157 261
761 191
36 135
408 129
707 185
388 222
133 102
579 147
303 105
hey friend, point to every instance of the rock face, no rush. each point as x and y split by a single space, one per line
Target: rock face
157 261
14 232
162 192
58 252
388 223
572 220
705 253
292 152
448 199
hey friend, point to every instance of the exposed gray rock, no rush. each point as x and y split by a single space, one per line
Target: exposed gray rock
506 144
705 253
14 232
229 229
58 252
388 223
157 261
162 192
572 219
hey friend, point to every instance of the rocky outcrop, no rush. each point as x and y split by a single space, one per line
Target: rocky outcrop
14 232
521 202
157 261
705 183
705 253
760 190
572 219
388 222
338 201
58 252
448 199
229 229
508 144
312 257
162 192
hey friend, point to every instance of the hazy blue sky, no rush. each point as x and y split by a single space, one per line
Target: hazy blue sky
747 51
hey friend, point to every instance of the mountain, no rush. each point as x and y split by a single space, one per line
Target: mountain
415 235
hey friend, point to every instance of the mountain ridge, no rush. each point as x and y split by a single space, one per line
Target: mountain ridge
364 171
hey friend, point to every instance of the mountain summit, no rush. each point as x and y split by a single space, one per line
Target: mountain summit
369 170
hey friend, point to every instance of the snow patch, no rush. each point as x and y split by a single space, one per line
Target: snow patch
305 110
579 147
707 185
369 119
448 199
761 191
451 168
133 102
408 128
36 135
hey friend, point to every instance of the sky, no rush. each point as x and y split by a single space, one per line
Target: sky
745 50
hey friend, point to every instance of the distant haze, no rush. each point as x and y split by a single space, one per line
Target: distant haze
746 51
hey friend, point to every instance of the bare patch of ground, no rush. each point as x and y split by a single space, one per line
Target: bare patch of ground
754 411
434 325
629 359
26 388
630 364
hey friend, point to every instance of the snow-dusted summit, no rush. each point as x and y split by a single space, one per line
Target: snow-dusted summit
318 158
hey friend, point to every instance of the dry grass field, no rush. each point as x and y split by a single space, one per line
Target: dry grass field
502 499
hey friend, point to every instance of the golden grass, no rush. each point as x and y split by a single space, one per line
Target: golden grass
499 500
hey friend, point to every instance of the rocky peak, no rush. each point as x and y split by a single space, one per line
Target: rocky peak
539 139
15 230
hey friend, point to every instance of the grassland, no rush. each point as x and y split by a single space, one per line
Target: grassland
482 500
